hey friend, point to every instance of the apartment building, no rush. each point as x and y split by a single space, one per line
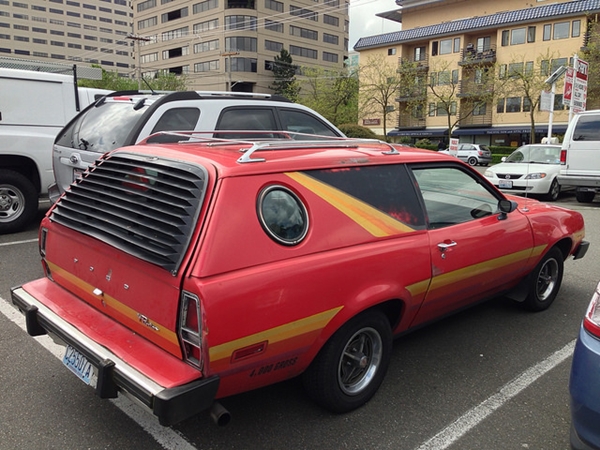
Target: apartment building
64 31
475 40
222 44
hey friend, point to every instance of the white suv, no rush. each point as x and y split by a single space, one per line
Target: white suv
126 118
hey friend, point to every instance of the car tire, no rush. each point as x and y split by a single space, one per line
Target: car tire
544 281
585 196
472 161
18 201
352 364
553 192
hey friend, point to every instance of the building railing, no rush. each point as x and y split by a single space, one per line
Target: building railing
478 118
473 89
408 121
473 55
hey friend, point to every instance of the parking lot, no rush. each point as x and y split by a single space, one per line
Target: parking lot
491 377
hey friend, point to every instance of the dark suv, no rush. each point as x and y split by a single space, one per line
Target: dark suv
126 118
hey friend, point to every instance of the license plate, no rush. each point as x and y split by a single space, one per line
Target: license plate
506 184
80 366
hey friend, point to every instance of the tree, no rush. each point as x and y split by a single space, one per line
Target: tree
284 71
332 93
115 82
526 79
379 85
591 54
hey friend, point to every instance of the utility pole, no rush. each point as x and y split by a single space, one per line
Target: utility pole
228 56
138 66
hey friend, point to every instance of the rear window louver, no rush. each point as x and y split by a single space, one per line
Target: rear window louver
142 205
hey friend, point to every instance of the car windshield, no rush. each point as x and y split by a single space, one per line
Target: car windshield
102 128
535 154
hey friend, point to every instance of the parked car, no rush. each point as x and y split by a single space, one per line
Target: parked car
125 118
182 273
530 169
579 157
583 384
472 154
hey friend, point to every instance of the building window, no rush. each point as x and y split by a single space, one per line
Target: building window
456 48
174 15
206 26
331 20
513 104
205 6
335 40
561 30
174 34
273 46
271 25
517 36
480 109
304 33
445 46
302 51
432 109
547 32
146 23
330 57
500 106
274 5
240 23
143 6
505 36
576 29
515 70
242 65
304 13
530 34
526 104
206 46
240 43
391 51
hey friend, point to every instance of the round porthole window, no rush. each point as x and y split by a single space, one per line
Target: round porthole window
282 215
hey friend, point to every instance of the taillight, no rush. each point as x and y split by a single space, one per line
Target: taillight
190 329
591 321
43 236
479 152
563 157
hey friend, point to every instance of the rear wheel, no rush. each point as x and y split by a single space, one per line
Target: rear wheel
351 366
18 201
472 161
585 196
544 281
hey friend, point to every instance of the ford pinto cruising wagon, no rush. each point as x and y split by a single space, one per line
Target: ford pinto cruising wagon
182 273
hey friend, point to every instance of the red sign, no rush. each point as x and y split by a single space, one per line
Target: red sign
371 122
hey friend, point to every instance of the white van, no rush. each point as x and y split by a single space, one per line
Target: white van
580 156
34 106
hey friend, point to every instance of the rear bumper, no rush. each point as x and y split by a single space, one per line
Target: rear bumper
170 404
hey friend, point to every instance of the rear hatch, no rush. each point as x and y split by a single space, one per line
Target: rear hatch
119 238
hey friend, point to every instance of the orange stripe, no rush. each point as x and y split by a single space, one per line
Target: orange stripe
371 219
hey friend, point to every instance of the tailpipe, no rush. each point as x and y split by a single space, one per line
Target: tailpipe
219 414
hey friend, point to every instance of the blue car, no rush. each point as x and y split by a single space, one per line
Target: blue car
585 381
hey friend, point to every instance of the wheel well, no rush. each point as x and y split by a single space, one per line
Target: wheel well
392 309
24 166
564 246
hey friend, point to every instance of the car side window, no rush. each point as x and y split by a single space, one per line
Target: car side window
303 122
252 119
587 129
175 119
452 196
387 188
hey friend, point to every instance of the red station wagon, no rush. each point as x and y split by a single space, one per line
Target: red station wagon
183 273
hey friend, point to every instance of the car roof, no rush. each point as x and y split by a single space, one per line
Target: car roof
235 158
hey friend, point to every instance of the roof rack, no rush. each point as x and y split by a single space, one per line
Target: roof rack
289 141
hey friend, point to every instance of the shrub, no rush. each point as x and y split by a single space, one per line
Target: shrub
357 131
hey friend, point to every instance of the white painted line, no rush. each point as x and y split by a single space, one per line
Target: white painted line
167 437
28 241
476 415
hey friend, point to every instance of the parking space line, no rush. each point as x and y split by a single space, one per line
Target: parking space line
4 244
168 438
453 432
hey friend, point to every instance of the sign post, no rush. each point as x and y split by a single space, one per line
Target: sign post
578 98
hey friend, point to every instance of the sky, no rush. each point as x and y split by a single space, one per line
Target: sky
364 22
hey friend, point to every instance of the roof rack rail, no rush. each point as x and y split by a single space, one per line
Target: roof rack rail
289 141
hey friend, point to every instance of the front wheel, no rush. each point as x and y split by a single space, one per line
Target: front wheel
554 191
544 281
18 201
351 366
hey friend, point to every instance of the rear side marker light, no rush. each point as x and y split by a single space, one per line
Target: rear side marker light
190 329
247 352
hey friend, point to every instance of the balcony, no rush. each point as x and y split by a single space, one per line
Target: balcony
472 89
245 4
479 117
420 64
412 93
471 56
407 121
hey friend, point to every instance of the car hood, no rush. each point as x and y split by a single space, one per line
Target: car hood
522 168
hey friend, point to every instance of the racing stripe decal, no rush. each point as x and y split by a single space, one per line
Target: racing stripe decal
371 219
277 334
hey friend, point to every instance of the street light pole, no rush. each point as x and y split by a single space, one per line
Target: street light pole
228 56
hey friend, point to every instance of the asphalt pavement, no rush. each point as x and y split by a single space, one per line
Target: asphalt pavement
491 377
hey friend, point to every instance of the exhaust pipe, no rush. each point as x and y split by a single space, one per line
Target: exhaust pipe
219 414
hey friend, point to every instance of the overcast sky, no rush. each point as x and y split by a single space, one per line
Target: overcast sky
364 22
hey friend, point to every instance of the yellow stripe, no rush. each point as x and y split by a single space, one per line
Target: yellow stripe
113 303
371 219
277 334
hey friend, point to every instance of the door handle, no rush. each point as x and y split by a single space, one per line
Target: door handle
443 246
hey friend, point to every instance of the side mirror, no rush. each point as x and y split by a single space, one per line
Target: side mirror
505 207
503 159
